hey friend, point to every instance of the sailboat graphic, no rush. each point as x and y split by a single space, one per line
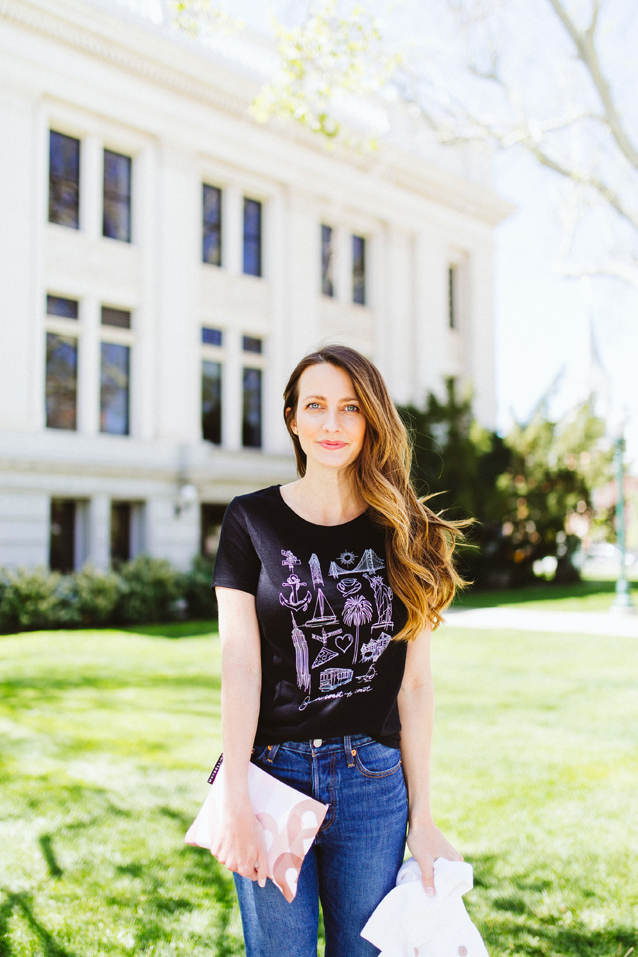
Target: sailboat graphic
369 563
324 615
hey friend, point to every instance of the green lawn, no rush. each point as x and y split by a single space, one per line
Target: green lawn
108 737
582 596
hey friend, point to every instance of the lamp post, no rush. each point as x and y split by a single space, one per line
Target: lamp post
622 602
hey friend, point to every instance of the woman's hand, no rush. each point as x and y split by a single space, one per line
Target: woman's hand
426 844
240 843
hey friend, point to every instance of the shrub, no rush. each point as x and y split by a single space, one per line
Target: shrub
196 588
94 595
33 598
149 588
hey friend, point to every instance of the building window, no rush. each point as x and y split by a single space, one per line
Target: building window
121 318
212 402
61 381
252 344
212 225
211 517
117 196
66 308
114 389
64 180
252 237
120 532
62 536
359 270
451 297
211 337
251 418
327 282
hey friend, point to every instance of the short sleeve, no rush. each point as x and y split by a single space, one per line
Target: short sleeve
237 564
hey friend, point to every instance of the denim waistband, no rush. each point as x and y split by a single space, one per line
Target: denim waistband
348 744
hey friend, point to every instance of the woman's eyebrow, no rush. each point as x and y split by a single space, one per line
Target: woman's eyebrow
348 398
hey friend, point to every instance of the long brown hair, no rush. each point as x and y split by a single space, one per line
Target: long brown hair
419 542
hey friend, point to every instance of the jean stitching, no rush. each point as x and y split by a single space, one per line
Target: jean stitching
329 819
376 774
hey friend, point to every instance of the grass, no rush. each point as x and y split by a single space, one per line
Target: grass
581 596
108 737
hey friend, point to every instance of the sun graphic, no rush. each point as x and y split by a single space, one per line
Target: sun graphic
347 558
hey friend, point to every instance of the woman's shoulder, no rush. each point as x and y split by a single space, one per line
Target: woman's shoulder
254 503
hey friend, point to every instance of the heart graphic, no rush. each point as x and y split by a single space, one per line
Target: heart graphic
343 642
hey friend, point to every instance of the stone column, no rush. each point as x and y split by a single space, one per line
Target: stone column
233 230
100 531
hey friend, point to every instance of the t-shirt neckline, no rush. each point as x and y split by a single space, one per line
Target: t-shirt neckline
314 524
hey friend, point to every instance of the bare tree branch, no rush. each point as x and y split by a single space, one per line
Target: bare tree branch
585 45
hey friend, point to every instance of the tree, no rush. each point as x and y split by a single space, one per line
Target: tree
545 77
525 491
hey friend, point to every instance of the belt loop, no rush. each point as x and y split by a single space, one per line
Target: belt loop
347 746
272 753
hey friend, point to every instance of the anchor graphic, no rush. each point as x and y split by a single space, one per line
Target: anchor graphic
294 601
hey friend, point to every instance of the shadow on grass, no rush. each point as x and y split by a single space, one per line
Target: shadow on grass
12 903
510 921
544 592
174 629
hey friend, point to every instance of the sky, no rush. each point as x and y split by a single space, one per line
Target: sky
543 336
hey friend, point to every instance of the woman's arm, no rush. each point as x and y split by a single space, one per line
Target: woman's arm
240 843
416 710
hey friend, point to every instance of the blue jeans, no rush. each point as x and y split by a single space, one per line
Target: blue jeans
354 860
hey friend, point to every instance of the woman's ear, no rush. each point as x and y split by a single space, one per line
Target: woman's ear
292 423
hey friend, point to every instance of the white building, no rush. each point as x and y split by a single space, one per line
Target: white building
128 158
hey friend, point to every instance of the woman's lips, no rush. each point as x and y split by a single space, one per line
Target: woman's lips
332 445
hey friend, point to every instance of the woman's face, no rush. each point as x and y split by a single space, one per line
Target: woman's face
329 421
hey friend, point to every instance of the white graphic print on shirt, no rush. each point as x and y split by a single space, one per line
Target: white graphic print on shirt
357 613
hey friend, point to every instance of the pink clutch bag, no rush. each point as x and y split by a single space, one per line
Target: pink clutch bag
290 821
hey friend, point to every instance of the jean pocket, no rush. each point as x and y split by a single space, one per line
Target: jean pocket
377 760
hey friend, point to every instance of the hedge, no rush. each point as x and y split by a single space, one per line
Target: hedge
143 591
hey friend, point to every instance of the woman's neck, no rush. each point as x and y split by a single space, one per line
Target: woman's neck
324 497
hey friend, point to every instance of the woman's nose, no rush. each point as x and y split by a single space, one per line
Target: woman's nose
332 422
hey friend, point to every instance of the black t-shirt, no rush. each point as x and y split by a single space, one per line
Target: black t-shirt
326 618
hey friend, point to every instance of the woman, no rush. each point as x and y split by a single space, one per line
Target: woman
328 590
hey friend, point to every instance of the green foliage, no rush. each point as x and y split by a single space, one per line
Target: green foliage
32 598
195 587
527 491
553 470
94 595
140 592
148 592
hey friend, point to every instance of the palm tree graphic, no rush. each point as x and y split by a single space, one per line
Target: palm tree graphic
357 611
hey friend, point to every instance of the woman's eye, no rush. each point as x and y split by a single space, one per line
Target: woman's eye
312 405
352 408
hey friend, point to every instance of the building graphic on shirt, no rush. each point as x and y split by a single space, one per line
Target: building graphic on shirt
315 571
301 656
374 648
